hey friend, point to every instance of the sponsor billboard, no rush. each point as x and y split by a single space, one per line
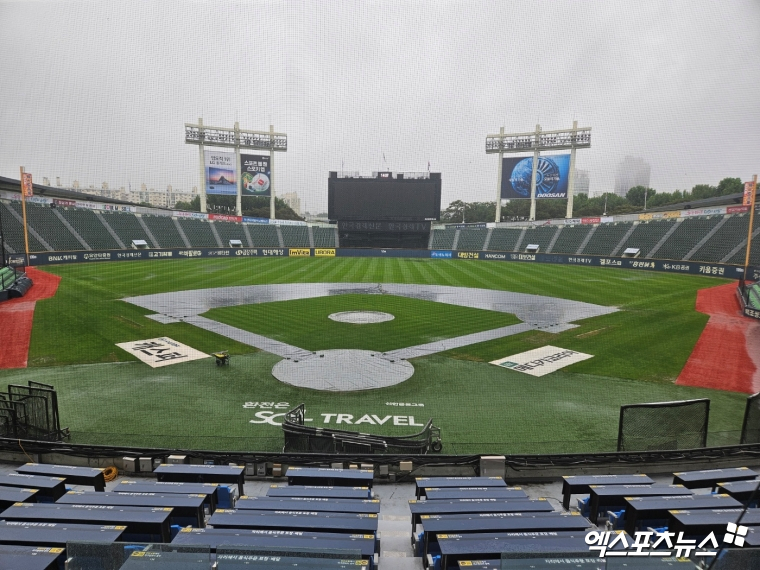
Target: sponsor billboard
256 174
26 184
552 174
541 361
220 173
749 190
163 351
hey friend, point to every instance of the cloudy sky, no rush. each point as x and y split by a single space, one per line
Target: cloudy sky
100 91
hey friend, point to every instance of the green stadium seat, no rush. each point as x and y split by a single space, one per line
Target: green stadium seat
443 239
646 235
606 238
472 239
230 231
687 234
571 238
295 236
723 242
264 235
126 226
324 237
90 228
50 227
198 232
13 231
540 236
504 239
164 230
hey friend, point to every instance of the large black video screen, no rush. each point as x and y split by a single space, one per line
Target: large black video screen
384 198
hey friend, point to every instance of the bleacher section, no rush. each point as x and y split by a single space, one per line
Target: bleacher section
126 227
723 241
443 239
571 238
324 237
504 239
49 226
472 239
164 230
541 236
754 256
198 232
323 513
683 235
89 226
686 236
606 238
646 235
13 232
263 235
295 236
230 230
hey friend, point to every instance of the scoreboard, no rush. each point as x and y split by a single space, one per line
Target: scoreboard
384 197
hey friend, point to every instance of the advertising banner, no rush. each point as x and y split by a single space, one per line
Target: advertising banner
250 220
26 184
591 220
64 203
552 174
225 218
256 174
541 361
220 173
737 209
749 190
162 351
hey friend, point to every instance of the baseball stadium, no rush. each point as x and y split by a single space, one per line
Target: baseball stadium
564 376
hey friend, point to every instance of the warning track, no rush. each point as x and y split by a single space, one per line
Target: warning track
17 316
727 354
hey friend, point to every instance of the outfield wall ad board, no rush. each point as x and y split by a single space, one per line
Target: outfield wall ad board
684 267
256 174
220 173
552 177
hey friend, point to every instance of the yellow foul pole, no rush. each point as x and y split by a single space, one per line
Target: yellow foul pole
25 181
753 194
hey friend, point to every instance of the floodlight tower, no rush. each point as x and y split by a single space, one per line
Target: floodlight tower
236 138
537 141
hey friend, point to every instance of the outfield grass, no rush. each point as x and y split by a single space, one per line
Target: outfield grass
638 353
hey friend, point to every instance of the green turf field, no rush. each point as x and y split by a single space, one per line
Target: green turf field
107 397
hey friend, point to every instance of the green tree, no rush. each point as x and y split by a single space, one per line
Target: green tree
730 186
701 191
640 195
193 205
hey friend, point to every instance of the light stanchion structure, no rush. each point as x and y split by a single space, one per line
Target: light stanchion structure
537 141
237 139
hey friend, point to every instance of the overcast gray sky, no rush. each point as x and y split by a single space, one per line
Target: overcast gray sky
100 91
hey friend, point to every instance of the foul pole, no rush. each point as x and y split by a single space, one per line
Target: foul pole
752 201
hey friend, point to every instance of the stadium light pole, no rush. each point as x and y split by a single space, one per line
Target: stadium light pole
537 141
238 139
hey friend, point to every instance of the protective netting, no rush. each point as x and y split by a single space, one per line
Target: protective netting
663 425
751 426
